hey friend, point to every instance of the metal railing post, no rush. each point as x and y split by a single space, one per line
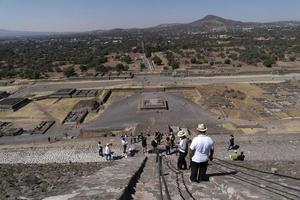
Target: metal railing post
159 175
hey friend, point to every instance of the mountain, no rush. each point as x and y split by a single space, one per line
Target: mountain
215 23
207 24
10 33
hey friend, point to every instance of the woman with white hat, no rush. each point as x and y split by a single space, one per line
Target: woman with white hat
182 149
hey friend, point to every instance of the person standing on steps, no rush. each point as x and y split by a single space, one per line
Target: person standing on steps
201 150
144 144
100 149
107 151
172 137
124 144
231 143
154 145
158 137
168 146
183 150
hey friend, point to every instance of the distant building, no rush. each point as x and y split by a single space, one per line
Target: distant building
63 93
89 105
3 94
12 104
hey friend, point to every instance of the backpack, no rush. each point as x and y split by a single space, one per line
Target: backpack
154 143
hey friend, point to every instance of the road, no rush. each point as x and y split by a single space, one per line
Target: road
146 61
151 80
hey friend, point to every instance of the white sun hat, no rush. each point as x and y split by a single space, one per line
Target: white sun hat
201 128
181 133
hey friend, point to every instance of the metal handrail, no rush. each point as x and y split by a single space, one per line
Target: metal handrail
162 180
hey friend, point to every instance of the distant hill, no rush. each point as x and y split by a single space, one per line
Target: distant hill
206 24
10 33
215 23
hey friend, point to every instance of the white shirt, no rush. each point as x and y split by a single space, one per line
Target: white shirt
182 145
202 145
107 150
124 142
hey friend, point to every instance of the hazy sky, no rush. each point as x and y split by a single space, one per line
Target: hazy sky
82 15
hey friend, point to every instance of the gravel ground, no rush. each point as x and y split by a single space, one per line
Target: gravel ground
52 155
37 181
255 147
284 147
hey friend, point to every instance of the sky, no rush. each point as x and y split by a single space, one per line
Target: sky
85 15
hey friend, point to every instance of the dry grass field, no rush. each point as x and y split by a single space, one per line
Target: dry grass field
30 114
59 108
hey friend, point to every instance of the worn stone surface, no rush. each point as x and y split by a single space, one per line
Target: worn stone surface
107 183
36 181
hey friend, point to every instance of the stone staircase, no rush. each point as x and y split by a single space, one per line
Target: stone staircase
180 186
137 178
148 184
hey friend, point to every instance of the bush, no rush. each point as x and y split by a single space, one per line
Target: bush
292 58
69 71
83 68
121 67
227 61
157 60
101 68
269 62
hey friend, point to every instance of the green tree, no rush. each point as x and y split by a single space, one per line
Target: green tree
69 71
142 66
101 69
120 67
269 62
157 60
83 68
227 61
193 60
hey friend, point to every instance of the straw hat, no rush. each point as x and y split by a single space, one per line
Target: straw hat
201 128
181 133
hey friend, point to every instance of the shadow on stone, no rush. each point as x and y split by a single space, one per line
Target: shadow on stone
130 189
222 174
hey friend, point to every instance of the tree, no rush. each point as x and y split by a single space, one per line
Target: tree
227 61
269 62
148 53
127 59
157 60
83 68
292 58
101 69
174 64
120 67
193 60
31 74
69 71
142 66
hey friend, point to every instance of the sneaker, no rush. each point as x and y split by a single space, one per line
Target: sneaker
192 181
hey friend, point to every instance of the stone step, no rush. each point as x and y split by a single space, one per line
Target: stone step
148 185
107 183
245 184
180 186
